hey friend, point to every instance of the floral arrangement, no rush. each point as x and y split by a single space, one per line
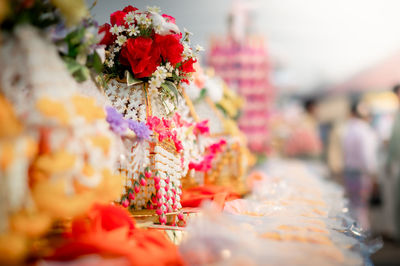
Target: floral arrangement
145 46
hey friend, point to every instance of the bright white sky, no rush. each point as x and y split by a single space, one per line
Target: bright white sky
318 41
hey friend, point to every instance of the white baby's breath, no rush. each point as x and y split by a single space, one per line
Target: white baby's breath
121 40
187 51
142 19
110 63
133 30
160 73
130 18
154 9
169 67
187 32
199 48
115 30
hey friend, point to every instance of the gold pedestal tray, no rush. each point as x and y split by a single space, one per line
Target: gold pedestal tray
145 218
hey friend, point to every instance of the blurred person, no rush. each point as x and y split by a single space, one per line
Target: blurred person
334 151
310 117
392 199
359 146
304 139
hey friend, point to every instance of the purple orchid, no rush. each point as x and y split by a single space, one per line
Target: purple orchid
117 123
141 130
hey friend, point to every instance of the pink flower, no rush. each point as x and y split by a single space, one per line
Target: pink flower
147 174
131 196
125 203
201 128
137 189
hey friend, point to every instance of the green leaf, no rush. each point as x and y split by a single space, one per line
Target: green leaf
171 89
130 80
97 64
202 95
79 72
82 74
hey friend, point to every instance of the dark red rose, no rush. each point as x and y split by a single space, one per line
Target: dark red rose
108 37
117 18
187 66
129 8
170 48
168 18
141 55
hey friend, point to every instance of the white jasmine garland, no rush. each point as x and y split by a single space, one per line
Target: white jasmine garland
117 49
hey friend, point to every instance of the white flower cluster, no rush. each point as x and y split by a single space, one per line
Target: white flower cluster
159 76
154 9
187 51
143 20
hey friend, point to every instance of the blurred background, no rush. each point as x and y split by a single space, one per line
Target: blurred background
319 80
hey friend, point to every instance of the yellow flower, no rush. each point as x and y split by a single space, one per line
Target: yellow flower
73 10
54 163
101 142
9 126
50 197
111 186
30 224
13 248
231 127
87 108
53 109
6 154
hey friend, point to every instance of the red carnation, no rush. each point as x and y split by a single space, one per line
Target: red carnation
129 8
187 66
141 55
168 18
170 48
108 37
117 18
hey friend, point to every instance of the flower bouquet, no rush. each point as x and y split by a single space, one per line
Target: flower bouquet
147 59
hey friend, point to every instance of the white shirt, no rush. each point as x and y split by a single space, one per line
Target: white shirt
360 146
